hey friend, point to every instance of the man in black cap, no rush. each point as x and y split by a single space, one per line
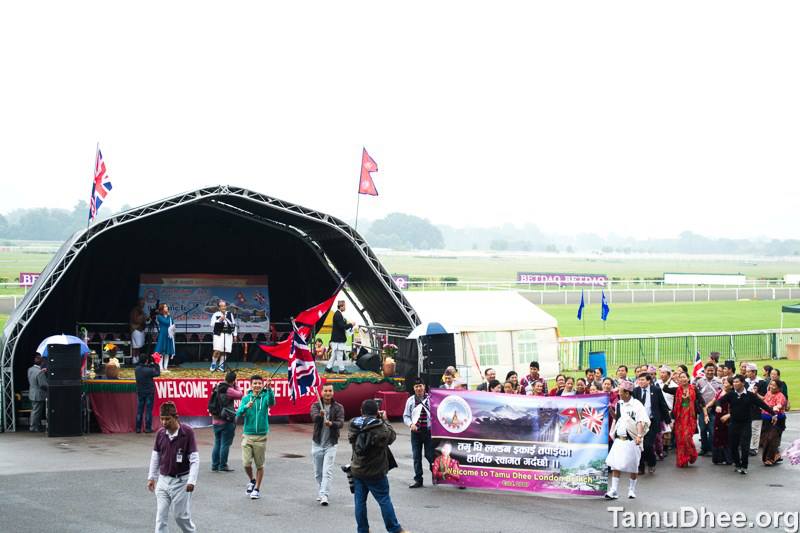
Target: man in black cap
417 416
370 435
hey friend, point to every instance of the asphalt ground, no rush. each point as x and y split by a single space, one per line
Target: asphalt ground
96 483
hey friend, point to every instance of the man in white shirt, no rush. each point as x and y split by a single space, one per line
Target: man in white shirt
223 325
628 429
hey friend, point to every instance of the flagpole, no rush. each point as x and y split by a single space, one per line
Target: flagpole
91 195
358 203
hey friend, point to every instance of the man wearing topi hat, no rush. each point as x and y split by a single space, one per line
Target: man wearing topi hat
627 429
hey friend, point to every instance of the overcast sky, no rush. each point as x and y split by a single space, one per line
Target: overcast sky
640 118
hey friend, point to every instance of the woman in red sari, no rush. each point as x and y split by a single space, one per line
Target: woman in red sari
688 403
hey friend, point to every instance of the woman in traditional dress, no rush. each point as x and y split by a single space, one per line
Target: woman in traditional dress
720 451
166 342
774 423
688 404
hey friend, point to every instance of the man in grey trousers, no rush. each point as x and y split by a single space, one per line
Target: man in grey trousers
37 392
328 418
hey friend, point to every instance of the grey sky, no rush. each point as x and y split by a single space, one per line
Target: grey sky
639 118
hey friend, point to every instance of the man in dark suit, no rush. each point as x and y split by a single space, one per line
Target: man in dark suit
339 329
653 400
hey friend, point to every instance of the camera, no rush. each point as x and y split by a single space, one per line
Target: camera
349 472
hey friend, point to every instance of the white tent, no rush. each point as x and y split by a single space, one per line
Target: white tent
497 329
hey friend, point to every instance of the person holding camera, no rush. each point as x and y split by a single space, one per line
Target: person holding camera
370 435
145 392
223 418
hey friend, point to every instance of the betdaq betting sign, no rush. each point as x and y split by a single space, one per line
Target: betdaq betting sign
549 278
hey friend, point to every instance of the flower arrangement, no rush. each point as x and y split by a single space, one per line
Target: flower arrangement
110 347
389 350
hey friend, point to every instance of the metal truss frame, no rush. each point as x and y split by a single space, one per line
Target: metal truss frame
213 196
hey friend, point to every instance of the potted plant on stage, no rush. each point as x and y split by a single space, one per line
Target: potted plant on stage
389 352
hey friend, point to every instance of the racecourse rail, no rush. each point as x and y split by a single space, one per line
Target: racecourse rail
675 348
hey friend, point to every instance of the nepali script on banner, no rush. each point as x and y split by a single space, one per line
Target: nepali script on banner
247 297
543 444
191 396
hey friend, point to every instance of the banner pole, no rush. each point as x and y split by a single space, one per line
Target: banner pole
358 203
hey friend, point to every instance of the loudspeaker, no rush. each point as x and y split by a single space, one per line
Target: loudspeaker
370 362
63 361
64 409
438 352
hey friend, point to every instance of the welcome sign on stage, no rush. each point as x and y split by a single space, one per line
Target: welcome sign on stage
546 444
247 297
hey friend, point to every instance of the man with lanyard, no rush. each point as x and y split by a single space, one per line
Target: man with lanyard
628 429
339 327
225 331
708 385
657 411
417 416
174 465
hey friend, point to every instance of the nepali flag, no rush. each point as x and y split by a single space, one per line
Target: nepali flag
697 370
303 376
101 185
573 419
592 419
365 183
316 314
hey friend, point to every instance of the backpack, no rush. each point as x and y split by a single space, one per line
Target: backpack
219 404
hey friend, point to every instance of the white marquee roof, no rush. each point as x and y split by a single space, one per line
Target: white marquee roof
469 311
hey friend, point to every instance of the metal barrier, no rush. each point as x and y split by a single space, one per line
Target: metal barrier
675 348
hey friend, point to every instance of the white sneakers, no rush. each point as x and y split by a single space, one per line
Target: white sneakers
631 494
612 495
250 486
256 494
323 501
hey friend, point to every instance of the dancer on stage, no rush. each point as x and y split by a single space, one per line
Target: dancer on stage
225 332
166 336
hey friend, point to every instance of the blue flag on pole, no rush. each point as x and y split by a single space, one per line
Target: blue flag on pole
580 307
604 308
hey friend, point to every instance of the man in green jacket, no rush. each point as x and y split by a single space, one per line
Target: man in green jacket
254 408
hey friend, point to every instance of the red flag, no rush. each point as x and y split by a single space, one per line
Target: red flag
312 315
280 350
573 419
365 183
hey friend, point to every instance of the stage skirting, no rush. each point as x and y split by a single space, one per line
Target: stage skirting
113 402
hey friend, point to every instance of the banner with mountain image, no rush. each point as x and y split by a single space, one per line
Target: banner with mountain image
541 444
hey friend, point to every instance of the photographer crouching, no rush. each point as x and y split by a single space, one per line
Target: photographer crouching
370 435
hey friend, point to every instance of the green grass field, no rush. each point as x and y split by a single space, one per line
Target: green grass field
668 317
505 268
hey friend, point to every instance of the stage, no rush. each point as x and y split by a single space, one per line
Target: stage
113 401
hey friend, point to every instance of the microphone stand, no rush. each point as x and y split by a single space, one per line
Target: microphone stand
185 316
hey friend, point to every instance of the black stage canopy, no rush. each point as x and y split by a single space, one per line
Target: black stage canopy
219 230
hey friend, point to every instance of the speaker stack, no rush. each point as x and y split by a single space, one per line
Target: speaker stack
438 352
63 390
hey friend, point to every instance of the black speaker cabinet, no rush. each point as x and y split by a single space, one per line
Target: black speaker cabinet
438 352
64 409
63 361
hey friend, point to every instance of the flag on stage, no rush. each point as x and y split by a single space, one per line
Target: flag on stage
697 370
365 183
280 350
101 185
604 308
303 375
580 307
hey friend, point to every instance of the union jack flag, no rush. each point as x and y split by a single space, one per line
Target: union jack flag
697 370
101 185
303 375
592 419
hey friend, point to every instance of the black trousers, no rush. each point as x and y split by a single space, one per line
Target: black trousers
421 440
649 446
739 434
